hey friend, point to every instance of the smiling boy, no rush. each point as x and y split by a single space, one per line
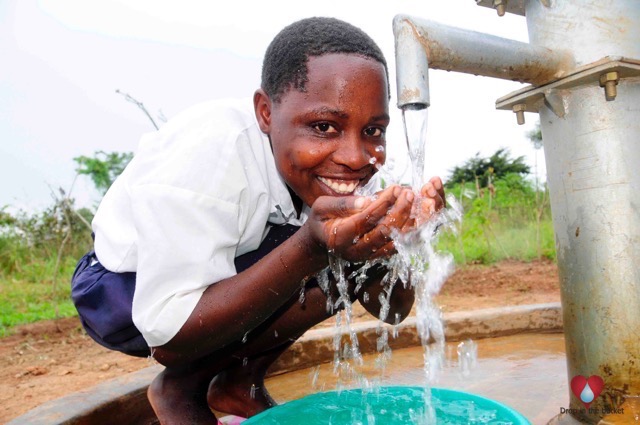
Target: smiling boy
228 208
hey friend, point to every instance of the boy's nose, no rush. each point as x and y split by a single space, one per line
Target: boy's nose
352 152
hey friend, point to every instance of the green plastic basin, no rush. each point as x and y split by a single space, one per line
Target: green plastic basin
389 405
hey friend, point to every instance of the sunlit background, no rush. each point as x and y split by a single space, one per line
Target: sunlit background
61 62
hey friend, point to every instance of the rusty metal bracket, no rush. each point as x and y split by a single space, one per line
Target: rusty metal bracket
512 6
535 97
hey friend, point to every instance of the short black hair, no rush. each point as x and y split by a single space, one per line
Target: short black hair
285 61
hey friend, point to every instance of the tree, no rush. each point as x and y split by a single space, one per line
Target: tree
535 136
103 167
494 167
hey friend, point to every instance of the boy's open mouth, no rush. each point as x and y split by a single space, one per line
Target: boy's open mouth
342 187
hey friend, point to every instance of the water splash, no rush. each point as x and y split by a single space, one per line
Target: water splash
347 356
467 357
416 264
315 373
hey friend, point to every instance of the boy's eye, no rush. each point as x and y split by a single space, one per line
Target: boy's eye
374 131
324 127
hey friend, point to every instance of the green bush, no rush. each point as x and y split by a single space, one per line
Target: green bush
38 253
509 219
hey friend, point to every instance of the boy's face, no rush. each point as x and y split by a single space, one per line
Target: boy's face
329 139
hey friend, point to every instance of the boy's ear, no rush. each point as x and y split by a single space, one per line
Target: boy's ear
262 108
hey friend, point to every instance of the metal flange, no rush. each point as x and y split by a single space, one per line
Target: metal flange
532 98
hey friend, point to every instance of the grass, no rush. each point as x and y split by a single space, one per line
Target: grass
34 284
30 296
497 225
499 241
509 221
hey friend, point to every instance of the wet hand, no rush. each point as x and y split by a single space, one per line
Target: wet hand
431 200
359 228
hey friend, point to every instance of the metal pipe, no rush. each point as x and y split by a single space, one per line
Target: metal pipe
592 152
422 44
412 77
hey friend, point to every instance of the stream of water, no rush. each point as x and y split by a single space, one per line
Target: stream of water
417 264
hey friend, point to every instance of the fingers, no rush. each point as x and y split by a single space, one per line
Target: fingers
385 251
339 207
376 211
433 194
378 240
399 214
361 227
343 221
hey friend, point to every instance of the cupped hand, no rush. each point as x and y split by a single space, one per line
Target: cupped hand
431 200
359 228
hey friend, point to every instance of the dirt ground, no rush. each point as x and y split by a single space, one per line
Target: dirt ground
48 360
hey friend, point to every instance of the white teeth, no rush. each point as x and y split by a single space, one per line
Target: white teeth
340 187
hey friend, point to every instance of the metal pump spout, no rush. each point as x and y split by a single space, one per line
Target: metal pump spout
412 77
583 67
422 44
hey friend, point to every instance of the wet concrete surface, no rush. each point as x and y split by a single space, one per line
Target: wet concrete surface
526 372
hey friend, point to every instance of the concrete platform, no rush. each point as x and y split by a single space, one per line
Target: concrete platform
520 371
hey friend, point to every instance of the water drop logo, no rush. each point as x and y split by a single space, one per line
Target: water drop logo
587 389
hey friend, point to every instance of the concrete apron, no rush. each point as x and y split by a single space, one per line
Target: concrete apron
124 400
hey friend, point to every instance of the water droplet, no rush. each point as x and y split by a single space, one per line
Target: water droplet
244 338
301 298
245 360
252 392
396 322
380 148
335 230
356 239
275 334
315 372
373 160
587 395
467 356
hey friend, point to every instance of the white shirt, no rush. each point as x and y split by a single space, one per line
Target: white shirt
198 193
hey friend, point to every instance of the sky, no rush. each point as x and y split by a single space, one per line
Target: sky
61 62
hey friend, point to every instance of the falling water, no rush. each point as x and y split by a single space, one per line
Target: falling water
428 269
417 264
414 118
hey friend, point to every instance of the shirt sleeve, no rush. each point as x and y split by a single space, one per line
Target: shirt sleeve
186 241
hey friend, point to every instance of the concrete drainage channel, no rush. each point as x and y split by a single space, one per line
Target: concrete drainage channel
124 401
